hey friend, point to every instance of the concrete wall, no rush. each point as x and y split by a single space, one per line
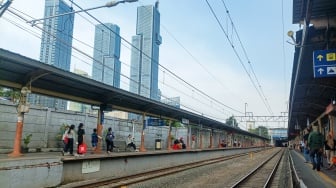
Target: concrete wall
31 173
45 123
76 170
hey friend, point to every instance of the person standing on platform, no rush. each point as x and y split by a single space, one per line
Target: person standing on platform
315 143
81 137
68 150
306 148
65 138
94 139
330 146
193 141
109 140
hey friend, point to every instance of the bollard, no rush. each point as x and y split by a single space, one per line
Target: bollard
251 155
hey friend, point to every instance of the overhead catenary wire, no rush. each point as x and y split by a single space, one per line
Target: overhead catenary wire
248 59
122 38
256 86
81 53
88 56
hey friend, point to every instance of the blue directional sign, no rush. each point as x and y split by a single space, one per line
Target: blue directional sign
155 122
324 63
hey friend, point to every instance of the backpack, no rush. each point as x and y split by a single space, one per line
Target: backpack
65 137
109 137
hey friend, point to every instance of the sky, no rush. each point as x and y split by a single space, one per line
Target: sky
230 56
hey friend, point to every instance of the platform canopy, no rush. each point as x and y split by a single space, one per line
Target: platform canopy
17 71
311 93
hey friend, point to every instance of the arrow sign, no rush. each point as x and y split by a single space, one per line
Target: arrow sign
324 63
319 57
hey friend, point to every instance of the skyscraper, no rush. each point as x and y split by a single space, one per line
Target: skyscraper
145 53
56 45
106 65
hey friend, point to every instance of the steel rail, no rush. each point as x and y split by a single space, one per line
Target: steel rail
254 171
141 177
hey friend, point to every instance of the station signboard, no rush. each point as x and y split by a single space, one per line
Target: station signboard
324 63
154 122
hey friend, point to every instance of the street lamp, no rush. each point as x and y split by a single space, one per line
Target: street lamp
108 5
245 108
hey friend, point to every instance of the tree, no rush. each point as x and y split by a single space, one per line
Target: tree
231 121
9 94
261 131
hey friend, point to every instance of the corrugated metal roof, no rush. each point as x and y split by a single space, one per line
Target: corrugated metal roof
17 71
319 9
310 96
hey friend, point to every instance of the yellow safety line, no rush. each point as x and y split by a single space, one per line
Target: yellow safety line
322 174
327 178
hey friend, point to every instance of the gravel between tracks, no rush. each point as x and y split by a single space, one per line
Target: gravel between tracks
219 175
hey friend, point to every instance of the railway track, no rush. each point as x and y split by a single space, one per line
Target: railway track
262 175
141 177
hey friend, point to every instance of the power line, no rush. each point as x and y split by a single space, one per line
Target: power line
86 55
259 91
122 38
248 59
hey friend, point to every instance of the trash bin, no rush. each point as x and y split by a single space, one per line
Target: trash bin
157 144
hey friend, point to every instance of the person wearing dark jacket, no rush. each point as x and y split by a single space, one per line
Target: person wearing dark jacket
315 143
109 140
80 136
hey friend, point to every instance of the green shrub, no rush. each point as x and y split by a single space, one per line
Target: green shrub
61 131
27 139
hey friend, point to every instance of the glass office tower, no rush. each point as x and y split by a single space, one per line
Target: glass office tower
106 66
145 53
56 45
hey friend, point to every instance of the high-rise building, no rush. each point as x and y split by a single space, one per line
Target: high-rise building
76 106
56 45
106 65
145 53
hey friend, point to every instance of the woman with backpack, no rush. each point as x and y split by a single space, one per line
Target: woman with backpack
109 140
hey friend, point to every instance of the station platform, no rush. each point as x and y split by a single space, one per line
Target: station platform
311 178
52 168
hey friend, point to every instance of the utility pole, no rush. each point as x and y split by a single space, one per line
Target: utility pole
22 108
4 7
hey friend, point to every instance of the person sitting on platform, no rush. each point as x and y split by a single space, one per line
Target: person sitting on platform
223 144
177 145
130 142
183 146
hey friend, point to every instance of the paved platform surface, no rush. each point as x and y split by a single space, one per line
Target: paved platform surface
312 178
88 155
43 155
